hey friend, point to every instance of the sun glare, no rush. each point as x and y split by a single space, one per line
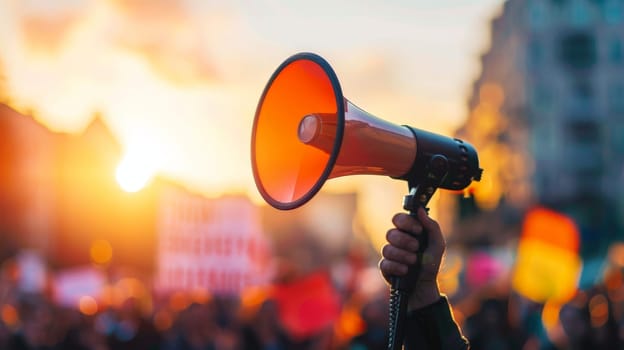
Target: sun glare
133 173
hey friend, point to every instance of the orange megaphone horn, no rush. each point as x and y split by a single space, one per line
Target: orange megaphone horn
305 132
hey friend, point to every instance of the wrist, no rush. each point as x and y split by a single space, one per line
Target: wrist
424 295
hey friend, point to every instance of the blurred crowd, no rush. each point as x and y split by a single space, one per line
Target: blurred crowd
499 318
493 317
179 321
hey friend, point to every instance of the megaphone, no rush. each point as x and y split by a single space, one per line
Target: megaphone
306 132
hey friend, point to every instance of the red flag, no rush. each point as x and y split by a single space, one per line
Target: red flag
308 305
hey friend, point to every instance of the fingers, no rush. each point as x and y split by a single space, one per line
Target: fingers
415 226
398 255
405 222
400 251
392 268
402 239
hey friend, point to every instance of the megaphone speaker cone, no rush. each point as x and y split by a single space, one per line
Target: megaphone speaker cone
302 91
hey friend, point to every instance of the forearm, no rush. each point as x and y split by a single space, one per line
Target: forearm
433 328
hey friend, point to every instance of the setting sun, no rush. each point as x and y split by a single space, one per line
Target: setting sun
133 173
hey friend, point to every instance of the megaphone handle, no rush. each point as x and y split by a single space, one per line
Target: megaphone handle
418 197
397 312
402 287
406 283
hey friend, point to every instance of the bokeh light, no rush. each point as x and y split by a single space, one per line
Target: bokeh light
88 305
9 315
101 252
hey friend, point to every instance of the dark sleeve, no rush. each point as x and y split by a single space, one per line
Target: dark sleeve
433 328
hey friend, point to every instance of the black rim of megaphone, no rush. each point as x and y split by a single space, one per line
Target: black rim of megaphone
337 142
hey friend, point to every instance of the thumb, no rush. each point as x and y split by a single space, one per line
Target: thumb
430 226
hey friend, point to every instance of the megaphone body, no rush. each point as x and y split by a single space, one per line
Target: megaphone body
305 132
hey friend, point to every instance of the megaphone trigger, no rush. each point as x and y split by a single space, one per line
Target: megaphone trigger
421 192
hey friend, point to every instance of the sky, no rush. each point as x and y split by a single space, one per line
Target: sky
178 81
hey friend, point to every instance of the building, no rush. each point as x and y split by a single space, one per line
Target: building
546 113
59 195
59 198
26 156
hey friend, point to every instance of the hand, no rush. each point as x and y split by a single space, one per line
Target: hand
400 252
